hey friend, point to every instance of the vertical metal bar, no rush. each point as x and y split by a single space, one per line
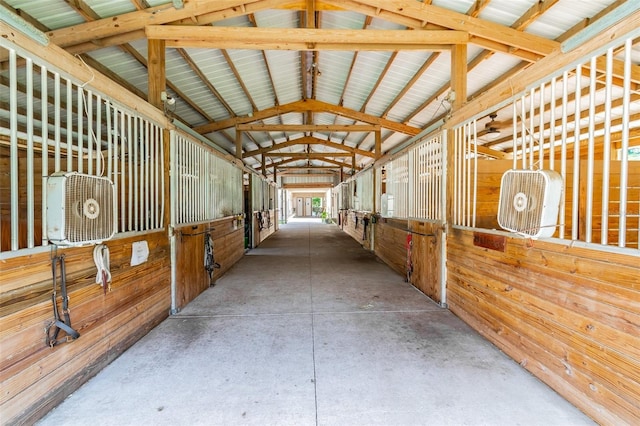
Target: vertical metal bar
99 162
590 149
467 172
541 128
30 156
130 167
162 183
90 134
606 161
152 167
147 160
552 125
475 172
156 180
45 148
154 176
135 168
456 177
624 160
69 126
114 153
515 134
563 153
575 200
532 113
523 132
13 149
123 159
110 133
80 126
57 125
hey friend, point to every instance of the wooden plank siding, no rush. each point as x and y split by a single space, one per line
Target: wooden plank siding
354 226
35 377
552 308
192 278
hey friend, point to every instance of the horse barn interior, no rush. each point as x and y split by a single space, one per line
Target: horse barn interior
487 152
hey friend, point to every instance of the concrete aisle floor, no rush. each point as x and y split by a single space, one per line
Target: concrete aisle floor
310 329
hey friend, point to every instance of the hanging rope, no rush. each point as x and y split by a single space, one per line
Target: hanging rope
101 259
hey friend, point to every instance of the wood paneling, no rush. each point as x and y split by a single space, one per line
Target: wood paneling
354 226
35 377
426 258
569 315
390 243
261 234
228 244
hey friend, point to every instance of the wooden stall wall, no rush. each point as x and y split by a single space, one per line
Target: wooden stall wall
355 227
35 377
569 315
391 243
426 254
228 247
268 227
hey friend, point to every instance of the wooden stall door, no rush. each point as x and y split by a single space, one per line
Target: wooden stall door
427 259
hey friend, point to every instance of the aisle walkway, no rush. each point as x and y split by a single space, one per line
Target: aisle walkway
309 329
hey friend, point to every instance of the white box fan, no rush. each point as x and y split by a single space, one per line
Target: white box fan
80 209
529 201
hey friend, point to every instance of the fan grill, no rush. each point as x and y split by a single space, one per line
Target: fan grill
80 209
529 202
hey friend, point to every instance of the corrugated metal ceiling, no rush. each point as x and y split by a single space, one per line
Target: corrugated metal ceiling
408 87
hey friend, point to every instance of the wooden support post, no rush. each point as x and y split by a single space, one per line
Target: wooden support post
378 147
459 75
275 175
341 174
238 144
353 163
263 168
157 74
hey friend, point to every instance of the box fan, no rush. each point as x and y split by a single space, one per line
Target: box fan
80 209
529 201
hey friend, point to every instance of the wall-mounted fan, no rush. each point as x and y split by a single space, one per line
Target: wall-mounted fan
80 209
529 202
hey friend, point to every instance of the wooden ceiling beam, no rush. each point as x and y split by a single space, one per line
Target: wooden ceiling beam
309 105
309 155
461 22
302 39
308 140
307 127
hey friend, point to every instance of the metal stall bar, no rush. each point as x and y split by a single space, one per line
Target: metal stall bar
563 153
624 158
515 135
98 136
532 141
123 156
80 128
130 167
30 159
57 125
590 149
136 169
475 172
552 125
523 132
162 183
606 166
576 156
90 135
541 127
69 129
13 149
45 149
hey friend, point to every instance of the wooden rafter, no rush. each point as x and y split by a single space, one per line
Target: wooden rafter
302 39
308 140
299 128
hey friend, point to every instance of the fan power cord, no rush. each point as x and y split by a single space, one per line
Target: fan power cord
101 259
